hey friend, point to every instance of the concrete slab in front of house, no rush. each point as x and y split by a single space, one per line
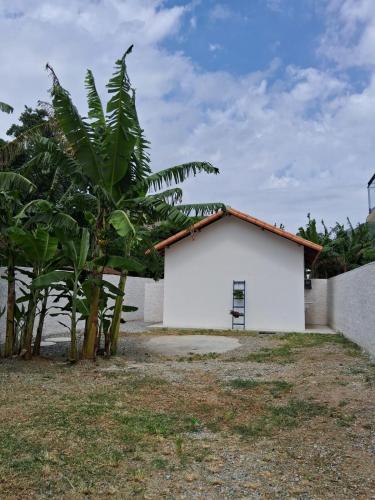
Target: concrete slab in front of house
319 329
187 344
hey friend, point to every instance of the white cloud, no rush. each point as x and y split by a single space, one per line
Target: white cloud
274 5
221 12
350 35
214 47
287 146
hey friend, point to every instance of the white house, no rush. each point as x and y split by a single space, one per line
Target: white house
203 263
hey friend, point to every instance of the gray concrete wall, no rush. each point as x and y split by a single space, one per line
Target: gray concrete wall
316 312
154 296
351 305
135 295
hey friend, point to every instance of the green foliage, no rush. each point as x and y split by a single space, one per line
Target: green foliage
344 248
85 197
5 108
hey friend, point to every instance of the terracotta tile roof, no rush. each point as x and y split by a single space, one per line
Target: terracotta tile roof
312 250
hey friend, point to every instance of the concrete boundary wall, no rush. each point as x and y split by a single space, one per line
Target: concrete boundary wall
154 298
135 295
316 303
351 305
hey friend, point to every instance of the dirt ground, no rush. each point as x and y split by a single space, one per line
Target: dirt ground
282 416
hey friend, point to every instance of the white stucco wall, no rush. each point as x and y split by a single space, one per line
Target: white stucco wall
351 305
199 276
316 303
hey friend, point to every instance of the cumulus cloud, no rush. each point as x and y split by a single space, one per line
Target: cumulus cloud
288 140
350 35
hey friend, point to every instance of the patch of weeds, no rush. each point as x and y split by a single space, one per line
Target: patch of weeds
300 340
19 453
144 422
97 404
276 387
345 420
160 463
137 475
240 383
203 331
216 424
199 357
282 417
282 354
279 387
260 427
299 408
343 403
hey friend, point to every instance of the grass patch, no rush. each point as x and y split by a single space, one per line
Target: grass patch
160 463
203 331
282 354
296 341
300 340
293 414
199 357
276 387
144 422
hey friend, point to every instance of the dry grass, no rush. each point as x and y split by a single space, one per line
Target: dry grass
169 428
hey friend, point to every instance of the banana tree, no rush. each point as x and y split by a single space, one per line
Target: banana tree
13 188
109 153
39 248
76 253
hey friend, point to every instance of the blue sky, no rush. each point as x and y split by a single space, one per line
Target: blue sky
244 36
279 94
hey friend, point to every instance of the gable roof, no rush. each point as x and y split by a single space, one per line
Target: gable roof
312 250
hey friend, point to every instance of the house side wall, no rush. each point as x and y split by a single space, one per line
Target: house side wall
199 274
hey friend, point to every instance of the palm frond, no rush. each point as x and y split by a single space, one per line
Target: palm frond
140 157
12 181
10 150
121 134
176 175
96 112
76 130
200 209
5 108
158 210
55 220
171 196
81 201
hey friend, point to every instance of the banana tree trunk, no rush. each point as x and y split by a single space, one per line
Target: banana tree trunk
39 332
91 330
11 304
26 350
73 354
116 319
